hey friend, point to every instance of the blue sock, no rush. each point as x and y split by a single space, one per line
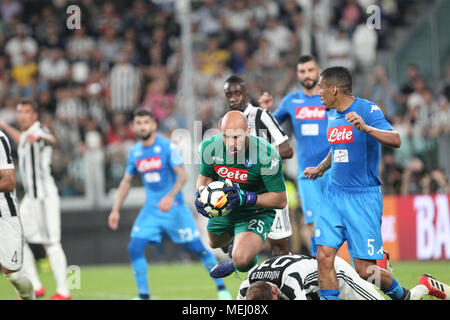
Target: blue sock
312 246
395 291
136 249
326 294
207 259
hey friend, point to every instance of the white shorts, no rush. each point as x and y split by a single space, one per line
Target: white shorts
41 220
281 227
11 243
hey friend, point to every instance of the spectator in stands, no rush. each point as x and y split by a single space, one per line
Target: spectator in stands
383 92
364 43
339 50
19 45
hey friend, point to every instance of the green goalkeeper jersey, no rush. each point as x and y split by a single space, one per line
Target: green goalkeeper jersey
258 169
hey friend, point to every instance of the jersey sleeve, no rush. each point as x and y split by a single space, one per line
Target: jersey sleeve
272 172
6 161
206 158
175 157
281 113
374 117
271 125
131 164
242 293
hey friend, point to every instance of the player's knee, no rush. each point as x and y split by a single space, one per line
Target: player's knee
325 259
136 247
242 259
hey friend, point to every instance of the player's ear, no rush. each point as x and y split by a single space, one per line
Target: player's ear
274 293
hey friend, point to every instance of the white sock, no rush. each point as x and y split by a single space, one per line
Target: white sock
22 284
29 267
58 264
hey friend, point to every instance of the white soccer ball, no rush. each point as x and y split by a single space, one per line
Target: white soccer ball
215 199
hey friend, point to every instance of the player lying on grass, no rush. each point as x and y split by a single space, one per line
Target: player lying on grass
294 277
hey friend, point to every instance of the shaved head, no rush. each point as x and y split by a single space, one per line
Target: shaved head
234 120
235 131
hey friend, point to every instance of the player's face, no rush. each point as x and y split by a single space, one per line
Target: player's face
308 74
236 96
144 127
235 140
327 94
26 116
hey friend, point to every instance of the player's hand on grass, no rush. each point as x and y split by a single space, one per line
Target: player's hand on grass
312 173
199 205
238 197
356 121
166 203
265 101
113 219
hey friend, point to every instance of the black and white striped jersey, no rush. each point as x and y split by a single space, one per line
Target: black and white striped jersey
8 201
124 80
264 125
296 277
35 164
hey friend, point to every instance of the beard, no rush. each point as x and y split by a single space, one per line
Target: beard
144 137
309 86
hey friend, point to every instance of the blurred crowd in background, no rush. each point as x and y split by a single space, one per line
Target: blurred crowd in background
127 54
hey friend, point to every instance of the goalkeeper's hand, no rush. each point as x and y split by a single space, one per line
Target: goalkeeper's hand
238 197
199 205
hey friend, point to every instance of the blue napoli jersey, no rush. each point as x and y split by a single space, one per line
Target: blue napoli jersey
355 154
309 122
155 164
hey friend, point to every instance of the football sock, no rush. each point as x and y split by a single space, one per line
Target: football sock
136 249
248 267
207 259
326 294
29 267
58 263
395 291
312 246
22 284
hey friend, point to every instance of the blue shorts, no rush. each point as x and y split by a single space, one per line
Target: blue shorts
178 223
354 215
311 194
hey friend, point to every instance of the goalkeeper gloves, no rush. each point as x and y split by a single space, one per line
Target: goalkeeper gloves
238 197
200 205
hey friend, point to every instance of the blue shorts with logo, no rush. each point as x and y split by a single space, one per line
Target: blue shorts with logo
311 194
178 223
352 214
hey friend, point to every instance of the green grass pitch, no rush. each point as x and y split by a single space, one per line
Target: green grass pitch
187 281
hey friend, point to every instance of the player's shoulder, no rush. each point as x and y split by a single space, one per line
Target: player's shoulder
291 97
212 139
366 106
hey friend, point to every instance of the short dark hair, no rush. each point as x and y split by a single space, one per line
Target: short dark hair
235 79
306 58
142 112
30 102
339 77
259 290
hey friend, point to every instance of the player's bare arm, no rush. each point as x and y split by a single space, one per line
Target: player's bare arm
390 138
12 132
285 150
272 200
7 180
313 173
203 181
166 203
122 192
47 138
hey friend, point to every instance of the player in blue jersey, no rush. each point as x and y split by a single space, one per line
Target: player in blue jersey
163 175
309 122
352 204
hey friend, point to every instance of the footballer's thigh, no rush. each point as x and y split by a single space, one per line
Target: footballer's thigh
11 243
246 247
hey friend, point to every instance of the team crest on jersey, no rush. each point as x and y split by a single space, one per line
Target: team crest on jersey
234 174
157 149
149 164
248 163
310 113
342 134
